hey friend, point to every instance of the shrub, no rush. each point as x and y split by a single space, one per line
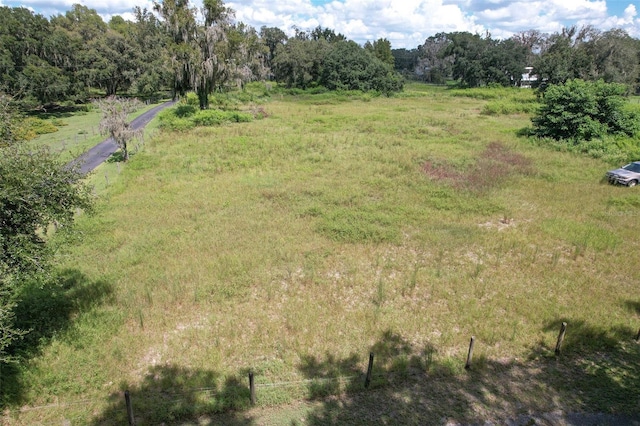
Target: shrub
171 121
581 110
39 126
185 110
181 118
240 117
191 99
209 117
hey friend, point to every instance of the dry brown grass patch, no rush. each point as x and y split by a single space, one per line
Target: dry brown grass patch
495 165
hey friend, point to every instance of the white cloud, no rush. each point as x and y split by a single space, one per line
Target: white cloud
406 23
629 22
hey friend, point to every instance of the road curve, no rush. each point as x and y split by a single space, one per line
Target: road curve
99 153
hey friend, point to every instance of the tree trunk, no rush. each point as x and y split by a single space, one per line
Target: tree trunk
203 97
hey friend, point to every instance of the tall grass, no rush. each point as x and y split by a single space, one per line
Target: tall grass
314 233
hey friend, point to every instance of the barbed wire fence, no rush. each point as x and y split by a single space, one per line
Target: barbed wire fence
322 385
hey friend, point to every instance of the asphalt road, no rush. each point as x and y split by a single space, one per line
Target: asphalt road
99 153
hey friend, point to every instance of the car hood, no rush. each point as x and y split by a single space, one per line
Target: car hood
622 172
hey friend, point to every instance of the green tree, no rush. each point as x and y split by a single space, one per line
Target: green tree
84 33
9 118
533 42
27 69
151 44
206 57
248 54
299 62
272 37
435 65
351 67
36 190
584 110
179 22
116 62
616 58
479 61
64 52
565 56
504 62
381 49
405 60
467 52
319 33
213 49
44 82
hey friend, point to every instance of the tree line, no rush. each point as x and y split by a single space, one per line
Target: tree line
180 48
176 47
477 60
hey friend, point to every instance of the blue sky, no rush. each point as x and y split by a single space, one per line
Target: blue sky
405 23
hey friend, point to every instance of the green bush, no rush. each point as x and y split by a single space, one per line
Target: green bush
186 117
185 110
584 110
58 123
39 126
191 99
240 117
209 117
171 121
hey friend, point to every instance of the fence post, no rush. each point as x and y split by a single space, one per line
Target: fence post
467 365
127 400
252 388
367 380
563 330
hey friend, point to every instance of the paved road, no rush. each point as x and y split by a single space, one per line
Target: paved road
99 153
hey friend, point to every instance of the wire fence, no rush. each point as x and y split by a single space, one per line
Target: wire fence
128 399
250 390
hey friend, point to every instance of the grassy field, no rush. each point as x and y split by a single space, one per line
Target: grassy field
340 225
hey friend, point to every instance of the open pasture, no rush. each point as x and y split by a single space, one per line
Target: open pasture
294 245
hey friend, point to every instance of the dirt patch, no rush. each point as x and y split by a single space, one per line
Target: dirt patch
496 164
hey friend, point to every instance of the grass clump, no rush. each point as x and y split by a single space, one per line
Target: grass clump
506 107
614 150
502 100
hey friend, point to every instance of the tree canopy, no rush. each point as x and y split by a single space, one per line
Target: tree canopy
347 66
179 47
477 60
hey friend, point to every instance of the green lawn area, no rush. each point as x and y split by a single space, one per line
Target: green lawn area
339 225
